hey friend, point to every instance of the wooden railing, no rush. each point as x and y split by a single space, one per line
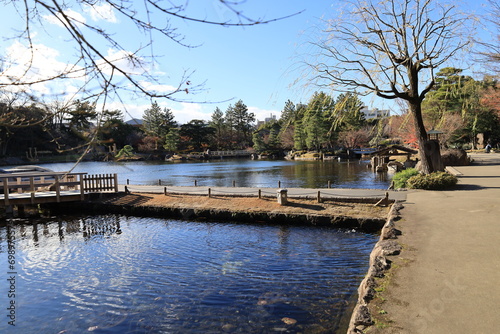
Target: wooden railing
43 187
100 183
229 153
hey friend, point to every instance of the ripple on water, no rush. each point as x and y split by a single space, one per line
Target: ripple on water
124 274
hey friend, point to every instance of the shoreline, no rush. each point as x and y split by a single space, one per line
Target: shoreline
443 278
365 217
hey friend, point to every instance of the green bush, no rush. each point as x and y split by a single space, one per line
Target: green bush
433 181
400 178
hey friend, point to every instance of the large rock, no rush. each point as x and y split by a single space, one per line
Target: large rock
455 157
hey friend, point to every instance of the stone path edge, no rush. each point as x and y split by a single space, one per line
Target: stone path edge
379 264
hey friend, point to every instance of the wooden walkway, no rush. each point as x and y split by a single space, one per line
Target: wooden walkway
52 187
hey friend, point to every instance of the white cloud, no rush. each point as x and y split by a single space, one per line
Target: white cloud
34 65
188 111
262 114
102 12
183 112
70 13
126 61
158 88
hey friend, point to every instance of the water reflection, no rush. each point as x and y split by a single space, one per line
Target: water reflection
118 274
245 173
88 228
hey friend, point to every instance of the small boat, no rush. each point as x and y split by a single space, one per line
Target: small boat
28 169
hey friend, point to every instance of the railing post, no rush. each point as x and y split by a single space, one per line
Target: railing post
32 190
319 197
19 181
115 179
82 186
6 192
58 189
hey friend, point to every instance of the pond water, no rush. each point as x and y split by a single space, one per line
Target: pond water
244 172
117 274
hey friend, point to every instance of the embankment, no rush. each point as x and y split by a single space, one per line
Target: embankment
361 216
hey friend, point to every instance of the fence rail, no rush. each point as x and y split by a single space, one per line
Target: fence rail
235 153
100 183
47 187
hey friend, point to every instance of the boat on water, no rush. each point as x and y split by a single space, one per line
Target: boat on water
27 169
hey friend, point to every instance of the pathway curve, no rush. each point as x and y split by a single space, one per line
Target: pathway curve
447 277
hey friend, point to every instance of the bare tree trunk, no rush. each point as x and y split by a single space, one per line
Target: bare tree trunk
430 153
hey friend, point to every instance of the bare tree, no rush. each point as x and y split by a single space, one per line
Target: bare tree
391 48
489 50
94 73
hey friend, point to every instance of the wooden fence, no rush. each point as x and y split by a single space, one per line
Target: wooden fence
100 183
47 187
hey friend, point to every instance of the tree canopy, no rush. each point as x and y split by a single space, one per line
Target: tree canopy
391 49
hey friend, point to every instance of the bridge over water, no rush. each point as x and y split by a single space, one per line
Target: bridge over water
31 188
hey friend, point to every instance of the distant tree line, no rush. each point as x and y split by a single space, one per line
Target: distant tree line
458 105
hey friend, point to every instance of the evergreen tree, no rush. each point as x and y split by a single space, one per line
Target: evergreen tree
81 116
172 140
243 123
347 115
157 122
314 122
299 138
240 122
196 134
230 123
218 123
258 142
457 94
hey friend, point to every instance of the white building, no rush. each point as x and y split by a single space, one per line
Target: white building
375 113
266 120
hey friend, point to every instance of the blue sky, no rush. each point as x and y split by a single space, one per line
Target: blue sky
257 64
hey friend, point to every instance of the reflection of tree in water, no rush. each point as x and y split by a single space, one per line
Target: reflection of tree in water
100 226
89 227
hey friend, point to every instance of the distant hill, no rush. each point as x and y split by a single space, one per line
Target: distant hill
135 122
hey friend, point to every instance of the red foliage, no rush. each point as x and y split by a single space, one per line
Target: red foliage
491 99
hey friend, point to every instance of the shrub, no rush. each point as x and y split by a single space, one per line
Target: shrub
433 181
400 178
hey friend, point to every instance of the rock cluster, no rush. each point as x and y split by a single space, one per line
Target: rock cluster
379 263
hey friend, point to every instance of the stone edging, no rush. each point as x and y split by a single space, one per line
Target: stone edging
379 263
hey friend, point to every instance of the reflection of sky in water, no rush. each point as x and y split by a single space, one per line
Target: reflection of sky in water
143 275
245 173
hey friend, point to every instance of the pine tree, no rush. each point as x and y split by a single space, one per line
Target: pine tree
217 123
157 122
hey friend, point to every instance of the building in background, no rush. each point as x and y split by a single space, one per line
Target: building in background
375 113
266 120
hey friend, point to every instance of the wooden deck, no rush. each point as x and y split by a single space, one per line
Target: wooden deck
52 187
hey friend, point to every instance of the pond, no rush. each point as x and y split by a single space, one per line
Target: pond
118 274
244 172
